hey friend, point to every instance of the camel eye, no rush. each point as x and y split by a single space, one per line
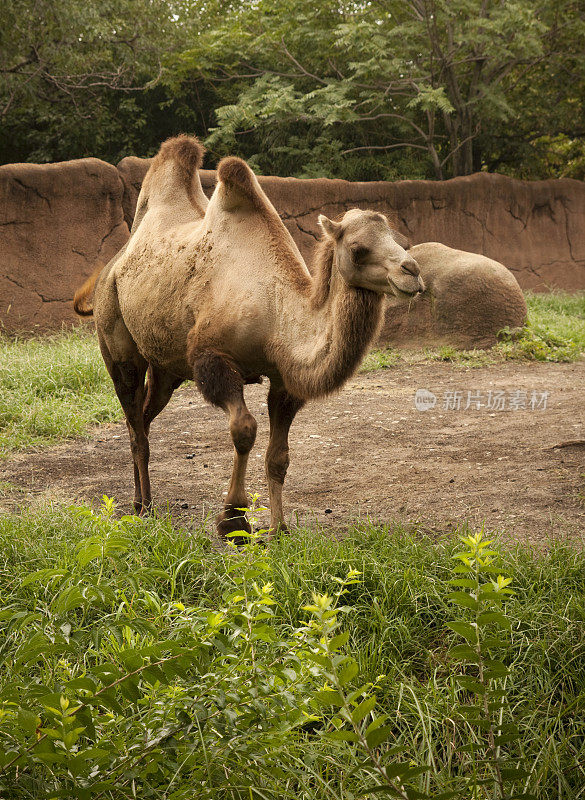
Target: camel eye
359 253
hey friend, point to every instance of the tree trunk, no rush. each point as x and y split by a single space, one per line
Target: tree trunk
439 175
452 127
467 143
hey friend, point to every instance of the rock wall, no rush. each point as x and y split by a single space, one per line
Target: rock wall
58 220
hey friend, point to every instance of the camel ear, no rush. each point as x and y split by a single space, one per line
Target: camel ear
333 229
400 239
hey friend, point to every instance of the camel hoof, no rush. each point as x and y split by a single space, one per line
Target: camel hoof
231 521
137 506
281 529
143 509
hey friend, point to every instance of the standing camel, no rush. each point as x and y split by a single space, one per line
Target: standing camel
217 291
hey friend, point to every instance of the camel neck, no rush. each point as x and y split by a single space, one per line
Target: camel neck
334 334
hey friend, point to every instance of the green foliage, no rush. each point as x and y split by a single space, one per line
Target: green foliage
400 81
355 718
563 313
380 359
139 660
534 345
52 388
76 76
339 89
113 684
479 594
536 143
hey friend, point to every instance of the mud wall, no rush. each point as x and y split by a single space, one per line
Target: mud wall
58 220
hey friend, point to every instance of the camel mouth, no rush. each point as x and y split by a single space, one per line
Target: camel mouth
401 293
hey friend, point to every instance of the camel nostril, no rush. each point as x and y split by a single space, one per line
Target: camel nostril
410 267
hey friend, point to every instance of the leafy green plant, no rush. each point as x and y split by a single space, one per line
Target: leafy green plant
479 595
138 659
479 697
145 690
357 718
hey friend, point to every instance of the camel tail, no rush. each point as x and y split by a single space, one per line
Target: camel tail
81 300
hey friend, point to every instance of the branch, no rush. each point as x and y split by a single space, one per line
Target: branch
340 75
14 94
92 80
300 66
459 146
395 116
19 66
383 147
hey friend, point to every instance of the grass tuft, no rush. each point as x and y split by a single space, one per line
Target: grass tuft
52 388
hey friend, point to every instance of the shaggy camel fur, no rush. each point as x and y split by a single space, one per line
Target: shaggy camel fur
217 291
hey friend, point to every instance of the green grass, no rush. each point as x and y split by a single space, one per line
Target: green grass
560 312
148 583
52 388
555 332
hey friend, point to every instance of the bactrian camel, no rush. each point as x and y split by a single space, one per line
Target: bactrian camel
217 291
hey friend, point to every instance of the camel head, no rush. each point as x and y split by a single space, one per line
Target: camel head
371 255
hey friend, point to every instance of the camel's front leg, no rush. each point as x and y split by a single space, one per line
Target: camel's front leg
221 383
282 408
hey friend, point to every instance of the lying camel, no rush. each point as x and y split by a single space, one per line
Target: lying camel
468 299
217 291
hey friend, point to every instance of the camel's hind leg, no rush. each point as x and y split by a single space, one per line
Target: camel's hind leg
282 409
221 384
127 369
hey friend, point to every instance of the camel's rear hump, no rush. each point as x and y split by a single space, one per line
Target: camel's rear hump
238 186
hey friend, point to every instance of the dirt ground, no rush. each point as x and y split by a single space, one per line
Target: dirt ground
366 452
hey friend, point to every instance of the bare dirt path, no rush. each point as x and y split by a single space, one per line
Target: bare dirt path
366 452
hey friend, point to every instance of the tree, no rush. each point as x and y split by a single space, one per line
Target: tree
545 135
422 75
360 89
71 71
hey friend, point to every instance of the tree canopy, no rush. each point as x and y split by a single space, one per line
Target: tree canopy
377 89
